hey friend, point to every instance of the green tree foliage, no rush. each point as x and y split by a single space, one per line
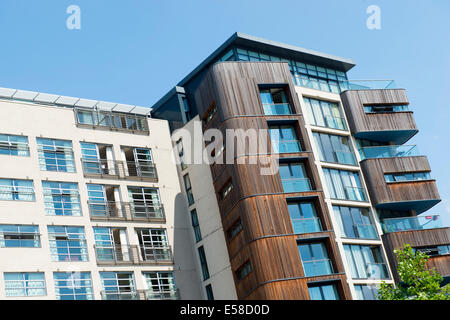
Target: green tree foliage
417 282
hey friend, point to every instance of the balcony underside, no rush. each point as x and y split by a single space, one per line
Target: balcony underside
418 205
398 137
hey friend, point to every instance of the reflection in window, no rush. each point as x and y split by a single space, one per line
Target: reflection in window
55 155
344 185
19 236
14 145
324 114
335 149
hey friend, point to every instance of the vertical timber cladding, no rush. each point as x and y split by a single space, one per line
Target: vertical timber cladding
267 238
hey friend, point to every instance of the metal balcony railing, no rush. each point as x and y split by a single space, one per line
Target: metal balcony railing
306 225
112 210
275 109
120 295
140 295
133 254
119 169
161 295
412 223
17 193
388 152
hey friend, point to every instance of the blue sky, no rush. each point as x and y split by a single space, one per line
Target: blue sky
135 51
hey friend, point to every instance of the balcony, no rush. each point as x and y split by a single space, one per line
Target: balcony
412 223
342 85
365 231
354 193
113 169
296 185
388 152
306 225
344 157
133 255
377 271
277 109
286 146
317 267
335 122
126 211
140 295
397 127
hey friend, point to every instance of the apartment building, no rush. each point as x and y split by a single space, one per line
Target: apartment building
349 189
90 203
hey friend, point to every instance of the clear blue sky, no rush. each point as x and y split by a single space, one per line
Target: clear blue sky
135 51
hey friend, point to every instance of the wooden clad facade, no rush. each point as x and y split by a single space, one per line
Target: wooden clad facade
418 239
258 201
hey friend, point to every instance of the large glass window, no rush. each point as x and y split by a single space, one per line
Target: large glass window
14 145
355 222
334 148
315 259
366 292
138 162
365 261
19 236
18 190
188 187
209 292
67 243
304 217
111 244
118 286
73 286
284 139
385 108
344 185
161 285
323 292
196 226
145 202
154 245
324 114
180 149
294 178
111 120
24 284
275 101
413 176
55 155
61 198
203 263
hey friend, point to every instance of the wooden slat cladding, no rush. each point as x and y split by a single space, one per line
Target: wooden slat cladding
382 192
267 238
359 121
417 239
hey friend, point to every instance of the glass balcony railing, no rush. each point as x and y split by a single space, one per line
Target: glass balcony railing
355 194
377 271
367 84
412 223
317 267
286 146
341 85
365 231
296 185
388 152
345 157
306 225
335 122
275 109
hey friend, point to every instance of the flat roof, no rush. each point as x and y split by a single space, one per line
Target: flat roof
71 102
269 47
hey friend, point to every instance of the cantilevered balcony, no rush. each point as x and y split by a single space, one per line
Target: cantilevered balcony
133 255
423 222
375 115
126 211
388 152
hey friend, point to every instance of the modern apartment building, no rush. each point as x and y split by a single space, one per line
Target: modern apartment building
349 189
90 202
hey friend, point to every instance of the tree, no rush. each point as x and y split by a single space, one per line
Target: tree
416 281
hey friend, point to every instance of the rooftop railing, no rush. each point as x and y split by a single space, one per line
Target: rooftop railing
412 223
377 152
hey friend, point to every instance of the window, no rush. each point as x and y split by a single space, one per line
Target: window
315 259
413 176
196 225
112 120
97 159
55 155
73 286
235 229
284 139
14 145
203 263
209 292
335 149
138 162
25 284
188 187
67 243
366 292
145 202
304 217
180 149
104 201
18 190
275 101
244 270
355 222
111 244
435 250
212 110
154 245
324 114
226 190
384 108
19 236
344 185
161 285
118 286
323 292
366 262
61 198
294 178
